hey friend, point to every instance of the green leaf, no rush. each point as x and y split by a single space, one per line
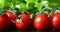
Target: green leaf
43 0
54 3
45 3
21 6
39 6
31 6
31 1
2 2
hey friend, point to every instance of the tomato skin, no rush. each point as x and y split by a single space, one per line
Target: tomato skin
26 22
41 22
4 23
56 20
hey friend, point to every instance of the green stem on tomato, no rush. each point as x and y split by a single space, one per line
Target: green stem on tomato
57 10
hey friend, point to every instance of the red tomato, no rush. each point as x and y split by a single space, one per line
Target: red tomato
41 22
10 15
56 20
10 19
25 22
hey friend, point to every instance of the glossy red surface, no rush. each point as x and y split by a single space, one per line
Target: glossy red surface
56 21
41 22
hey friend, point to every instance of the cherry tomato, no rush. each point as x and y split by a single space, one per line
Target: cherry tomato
10 18
10 15
41 22
56 20
24 22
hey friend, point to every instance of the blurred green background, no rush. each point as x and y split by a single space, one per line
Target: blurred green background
28 5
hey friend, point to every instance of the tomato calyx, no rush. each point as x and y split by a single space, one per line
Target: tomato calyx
19 19
57 10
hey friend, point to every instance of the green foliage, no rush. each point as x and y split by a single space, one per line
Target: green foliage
26 5
54 3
